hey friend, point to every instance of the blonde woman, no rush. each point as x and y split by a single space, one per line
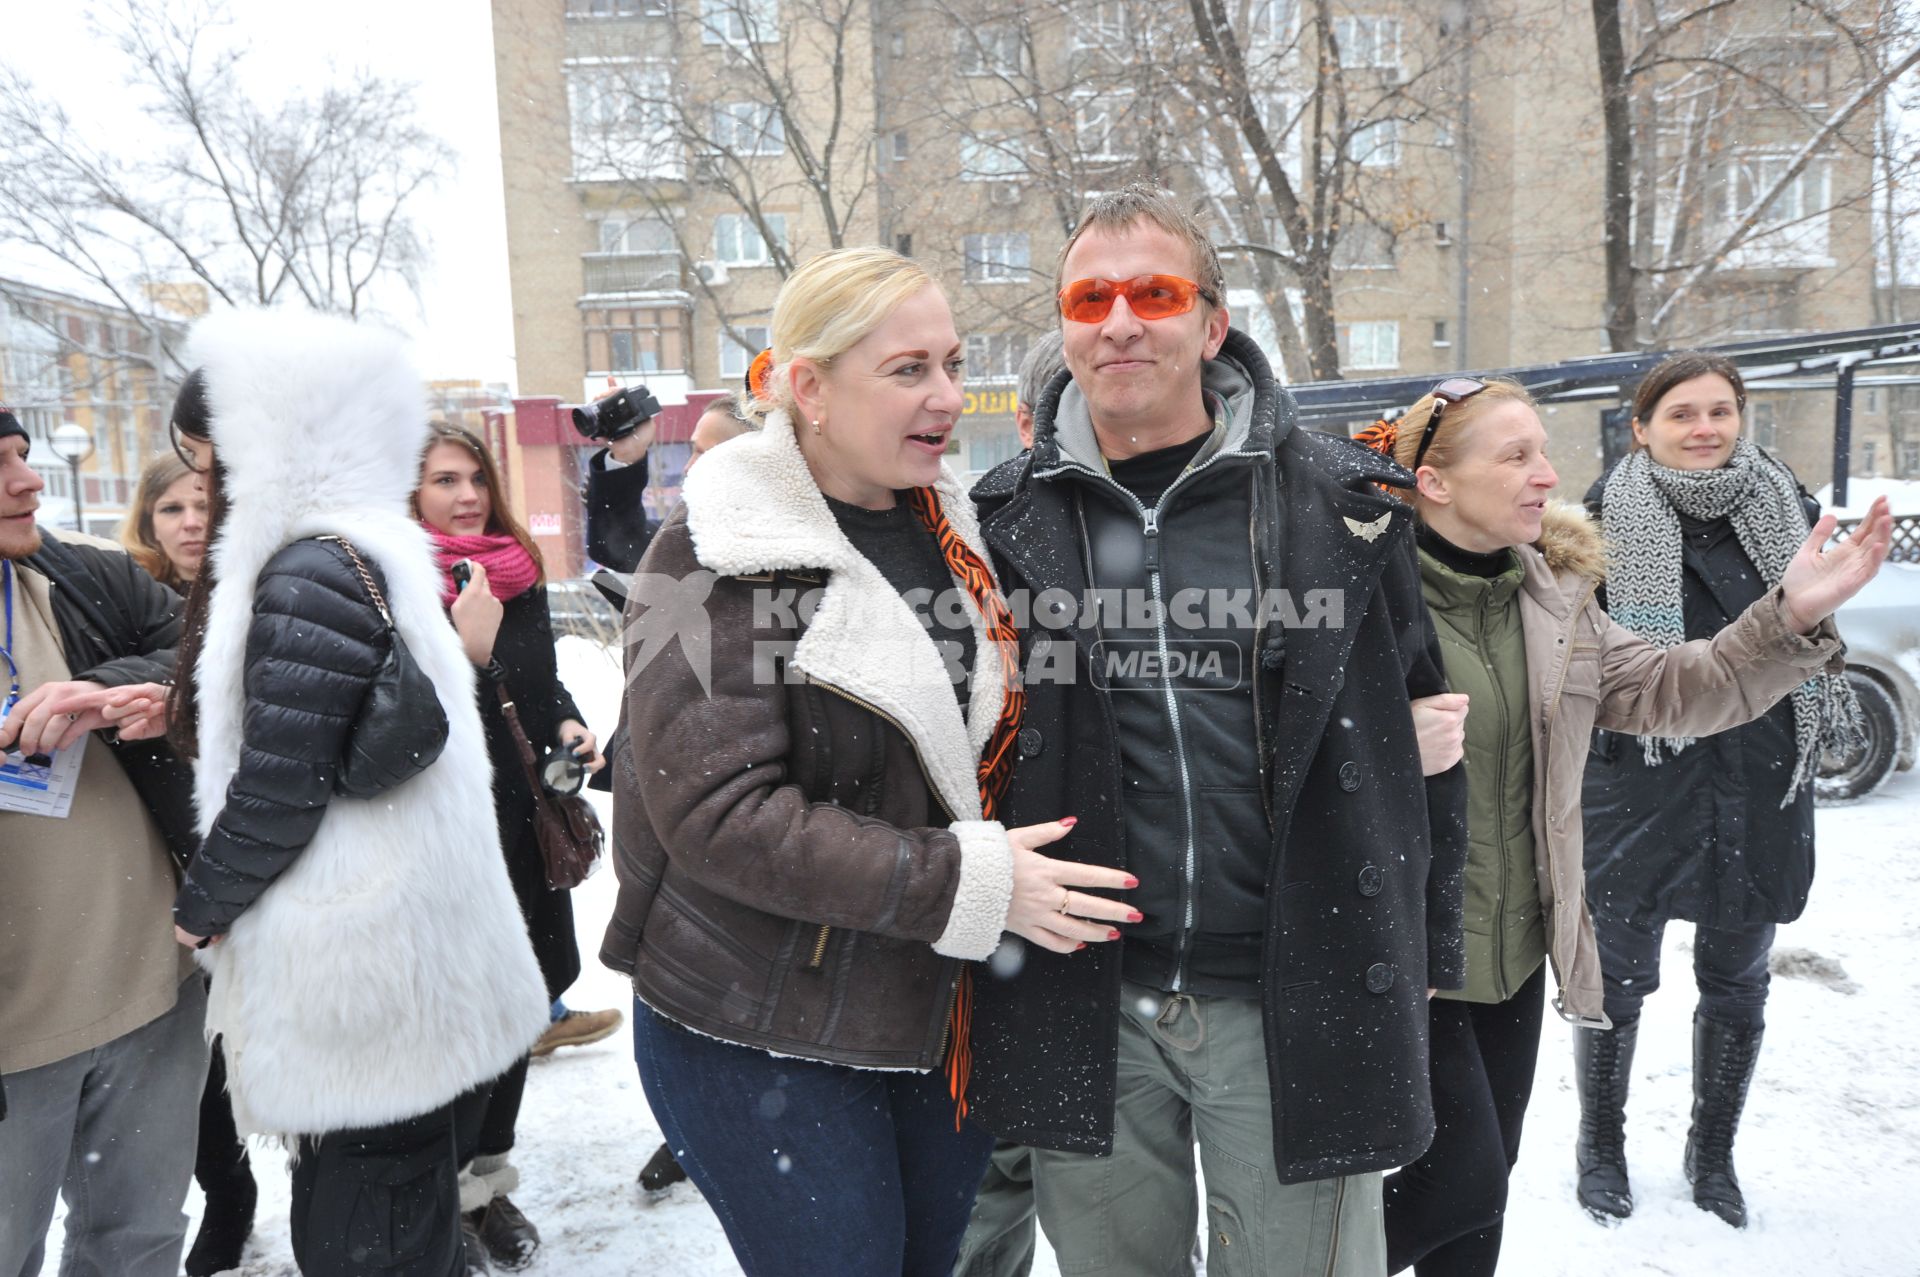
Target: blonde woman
809 865
1510 579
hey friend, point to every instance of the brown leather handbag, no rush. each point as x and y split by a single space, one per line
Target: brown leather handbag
569 832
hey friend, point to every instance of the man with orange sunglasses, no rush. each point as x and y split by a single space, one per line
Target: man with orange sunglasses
1227 633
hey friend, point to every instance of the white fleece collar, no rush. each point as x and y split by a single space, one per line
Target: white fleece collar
753 507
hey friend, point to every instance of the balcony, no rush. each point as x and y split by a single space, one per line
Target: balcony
629 272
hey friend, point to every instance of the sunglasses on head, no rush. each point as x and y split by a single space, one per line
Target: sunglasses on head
180 448
1451 391
1088 301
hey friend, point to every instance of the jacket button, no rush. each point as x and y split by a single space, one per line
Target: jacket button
1031 742
1349 776
1369 883
1379 978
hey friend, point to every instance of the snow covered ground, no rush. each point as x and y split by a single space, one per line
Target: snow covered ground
1829 1152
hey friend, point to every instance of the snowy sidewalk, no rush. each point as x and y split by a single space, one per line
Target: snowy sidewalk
1828 1154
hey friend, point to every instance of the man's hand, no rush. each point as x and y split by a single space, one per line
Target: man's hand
1440 723
632 448
55 715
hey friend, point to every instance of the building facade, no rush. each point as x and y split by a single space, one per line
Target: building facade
668 161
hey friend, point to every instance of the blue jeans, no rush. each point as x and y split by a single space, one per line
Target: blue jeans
814 1168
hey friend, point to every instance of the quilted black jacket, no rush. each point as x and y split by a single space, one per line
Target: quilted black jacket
312 651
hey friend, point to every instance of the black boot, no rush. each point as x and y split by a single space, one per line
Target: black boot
226 1177
510 1237
1723 1060
661 1172
1602 1063
225 1224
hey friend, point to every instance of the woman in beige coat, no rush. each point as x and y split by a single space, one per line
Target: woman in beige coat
1510 579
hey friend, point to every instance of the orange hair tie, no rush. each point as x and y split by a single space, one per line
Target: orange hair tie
760 376
1381 436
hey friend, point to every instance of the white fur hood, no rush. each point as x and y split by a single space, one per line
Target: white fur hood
388 969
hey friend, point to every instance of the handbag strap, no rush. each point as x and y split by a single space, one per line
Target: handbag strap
524 746
366 577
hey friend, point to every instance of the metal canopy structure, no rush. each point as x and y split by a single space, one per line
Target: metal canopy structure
1768 363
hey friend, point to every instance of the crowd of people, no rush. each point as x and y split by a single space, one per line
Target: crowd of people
1195 793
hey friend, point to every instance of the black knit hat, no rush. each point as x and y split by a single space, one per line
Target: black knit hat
10 425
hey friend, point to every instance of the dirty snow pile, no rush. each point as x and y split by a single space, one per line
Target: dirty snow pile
1829 1152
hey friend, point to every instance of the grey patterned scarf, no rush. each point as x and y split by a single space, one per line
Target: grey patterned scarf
1641 521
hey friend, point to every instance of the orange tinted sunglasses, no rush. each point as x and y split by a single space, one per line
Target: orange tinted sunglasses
1088 301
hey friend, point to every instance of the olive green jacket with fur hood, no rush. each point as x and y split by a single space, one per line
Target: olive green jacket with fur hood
1584 671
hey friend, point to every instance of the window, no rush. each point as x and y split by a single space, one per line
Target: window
1375 145
737 240
636 235
618 8
620 122
1097 124
991 157
995 356
642 339
1269 23
748 128
903 244
990 49
1103 26
1372 344
739 21
900 145
992 259
1368 42
1766 423
1440 333
1909 461
1363 246
988 448
734 356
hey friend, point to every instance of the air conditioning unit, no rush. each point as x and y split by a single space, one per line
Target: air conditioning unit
1004 193
712 274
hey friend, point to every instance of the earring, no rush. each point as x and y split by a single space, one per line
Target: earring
816 425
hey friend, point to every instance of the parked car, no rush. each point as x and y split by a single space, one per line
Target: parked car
576 607
1881 627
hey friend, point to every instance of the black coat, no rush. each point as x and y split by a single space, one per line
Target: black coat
313 649
1701 837
118 627
1362 864
618 528
523 658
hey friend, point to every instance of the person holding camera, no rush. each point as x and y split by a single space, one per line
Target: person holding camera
492 584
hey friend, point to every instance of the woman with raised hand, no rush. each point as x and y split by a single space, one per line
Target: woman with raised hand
349 855
1716 829
1511 580
804 827
501 617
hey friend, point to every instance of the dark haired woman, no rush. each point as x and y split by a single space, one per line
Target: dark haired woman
357 1011
1716 831
166 533
501 617
1510 581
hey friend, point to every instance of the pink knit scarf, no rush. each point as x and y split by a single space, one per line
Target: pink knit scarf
511 571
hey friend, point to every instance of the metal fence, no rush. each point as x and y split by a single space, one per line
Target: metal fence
1906 537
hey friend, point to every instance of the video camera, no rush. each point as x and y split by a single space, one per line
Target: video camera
616 416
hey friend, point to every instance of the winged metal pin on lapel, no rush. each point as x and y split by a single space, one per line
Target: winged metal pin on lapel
1370 531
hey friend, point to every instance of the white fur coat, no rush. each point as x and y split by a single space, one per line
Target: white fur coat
388 969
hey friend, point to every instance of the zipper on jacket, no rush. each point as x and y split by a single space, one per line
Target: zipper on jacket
819 949
1150 526
875 710
1500 806
1333 1242
1255 669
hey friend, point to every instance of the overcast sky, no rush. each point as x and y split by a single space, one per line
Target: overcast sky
463 325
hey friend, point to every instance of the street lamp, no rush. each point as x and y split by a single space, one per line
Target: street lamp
74 445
